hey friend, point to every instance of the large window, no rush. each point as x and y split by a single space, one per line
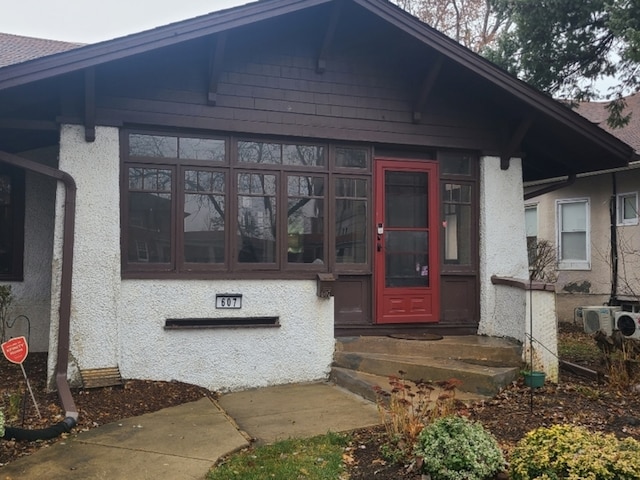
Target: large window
11 222
234 205
573 234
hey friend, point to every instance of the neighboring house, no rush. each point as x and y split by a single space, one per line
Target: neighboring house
593 223
214 200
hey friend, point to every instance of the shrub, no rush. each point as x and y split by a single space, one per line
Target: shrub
454 448
570 452
408 408
1 424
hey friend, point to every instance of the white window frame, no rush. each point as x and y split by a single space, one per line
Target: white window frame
573 264
620 198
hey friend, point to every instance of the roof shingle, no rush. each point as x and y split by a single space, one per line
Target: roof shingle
597 113
17 49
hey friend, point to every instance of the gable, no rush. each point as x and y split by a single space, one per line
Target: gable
417 86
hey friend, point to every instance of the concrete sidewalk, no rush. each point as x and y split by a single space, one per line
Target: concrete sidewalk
183 442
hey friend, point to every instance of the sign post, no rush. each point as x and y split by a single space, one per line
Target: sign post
16 350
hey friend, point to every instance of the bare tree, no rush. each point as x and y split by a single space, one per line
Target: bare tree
473 23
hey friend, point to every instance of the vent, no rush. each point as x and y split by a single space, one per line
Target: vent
101 377
598 318
629 324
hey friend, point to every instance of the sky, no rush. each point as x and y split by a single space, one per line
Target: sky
91 21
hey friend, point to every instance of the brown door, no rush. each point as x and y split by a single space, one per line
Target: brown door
406 266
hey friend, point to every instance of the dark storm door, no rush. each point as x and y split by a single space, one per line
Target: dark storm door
406 266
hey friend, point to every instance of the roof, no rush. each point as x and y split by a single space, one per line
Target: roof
597 113
590 147
17 49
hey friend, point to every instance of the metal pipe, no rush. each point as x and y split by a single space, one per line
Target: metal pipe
62 383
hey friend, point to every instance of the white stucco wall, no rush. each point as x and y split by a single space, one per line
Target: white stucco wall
301 349
117 322
32 297
503 247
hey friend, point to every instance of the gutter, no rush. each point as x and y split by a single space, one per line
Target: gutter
62 383
551 187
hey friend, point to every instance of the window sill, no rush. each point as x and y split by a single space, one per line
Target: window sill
574 266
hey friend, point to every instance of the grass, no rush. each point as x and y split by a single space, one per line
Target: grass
313 458
578 347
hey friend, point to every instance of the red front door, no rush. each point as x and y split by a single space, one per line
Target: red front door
406 267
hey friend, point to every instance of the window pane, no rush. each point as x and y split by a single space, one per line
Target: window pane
303 155
305 219
153 146
256 218
259 152
574 216
351 220
406 259
406 199
149 215
202 149
531 221
352 157
453 163
574 246
204 206
629 208
457 234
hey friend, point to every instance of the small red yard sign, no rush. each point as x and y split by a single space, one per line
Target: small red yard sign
15 350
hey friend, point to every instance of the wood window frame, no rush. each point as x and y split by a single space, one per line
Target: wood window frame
468 179
17 213
232 268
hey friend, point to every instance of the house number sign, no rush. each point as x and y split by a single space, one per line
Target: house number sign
229 300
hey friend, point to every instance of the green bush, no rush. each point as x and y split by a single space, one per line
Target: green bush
1 424
454 448
570 452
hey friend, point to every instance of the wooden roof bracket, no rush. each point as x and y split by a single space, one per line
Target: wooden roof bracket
215 67
514 142
427 86
321 64
90 104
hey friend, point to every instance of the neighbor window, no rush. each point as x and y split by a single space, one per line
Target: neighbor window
627 208
11 222
206 204
531 227
573 234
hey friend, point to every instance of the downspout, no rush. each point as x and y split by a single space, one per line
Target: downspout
613 215
62 384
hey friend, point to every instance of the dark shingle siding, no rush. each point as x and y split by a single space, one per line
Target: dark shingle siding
17 49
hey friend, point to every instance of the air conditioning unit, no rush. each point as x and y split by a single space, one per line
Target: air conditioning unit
628 323
599 318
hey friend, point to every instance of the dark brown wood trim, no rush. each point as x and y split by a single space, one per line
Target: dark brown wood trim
522 284
215 67
427 87
321 64
90 104
22 124
515 141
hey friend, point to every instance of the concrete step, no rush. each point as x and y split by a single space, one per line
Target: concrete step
475 376
363 384
473 348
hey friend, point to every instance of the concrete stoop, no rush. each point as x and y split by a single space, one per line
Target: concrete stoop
484 365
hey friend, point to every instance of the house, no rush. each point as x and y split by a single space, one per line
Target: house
592 220
215 200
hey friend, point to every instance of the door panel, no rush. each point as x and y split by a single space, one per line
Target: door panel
406 251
